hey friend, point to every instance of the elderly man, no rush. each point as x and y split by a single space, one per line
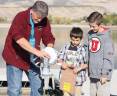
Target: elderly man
28 28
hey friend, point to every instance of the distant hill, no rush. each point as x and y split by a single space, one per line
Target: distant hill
60 8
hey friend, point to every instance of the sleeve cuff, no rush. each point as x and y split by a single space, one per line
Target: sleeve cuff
17 36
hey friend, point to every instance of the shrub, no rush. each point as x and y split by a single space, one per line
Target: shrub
110 19
3 19
63 20
59 20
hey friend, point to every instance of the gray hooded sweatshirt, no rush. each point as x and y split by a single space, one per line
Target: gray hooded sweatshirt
100 54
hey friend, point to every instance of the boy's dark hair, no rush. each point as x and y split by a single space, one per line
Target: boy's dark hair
95 17
76 32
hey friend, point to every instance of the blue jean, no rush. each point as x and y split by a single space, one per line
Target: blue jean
14 79
35 81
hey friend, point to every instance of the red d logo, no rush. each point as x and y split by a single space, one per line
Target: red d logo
94 44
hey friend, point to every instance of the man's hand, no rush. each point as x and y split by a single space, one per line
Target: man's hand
43 54
24 43
103 80
50 45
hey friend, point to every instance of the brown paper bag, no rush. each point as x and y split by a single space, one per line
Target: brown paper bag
68 80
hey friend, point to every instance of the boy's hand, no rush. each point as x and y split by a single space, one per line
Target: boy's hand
71 66
64 66
103 80
76 70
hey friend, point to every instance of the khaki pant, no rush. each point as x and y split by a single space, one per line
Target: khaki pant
78 91
97 89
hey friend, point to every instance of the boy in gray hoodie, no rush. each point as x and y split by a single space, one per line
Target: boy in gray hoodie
100 56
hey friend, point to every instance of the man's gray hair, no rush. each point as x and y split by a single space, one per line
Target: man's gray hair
41 8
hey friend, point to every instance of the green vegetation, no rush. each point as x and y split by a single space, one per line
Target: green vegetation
110 19
3 20
59 20
62 20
